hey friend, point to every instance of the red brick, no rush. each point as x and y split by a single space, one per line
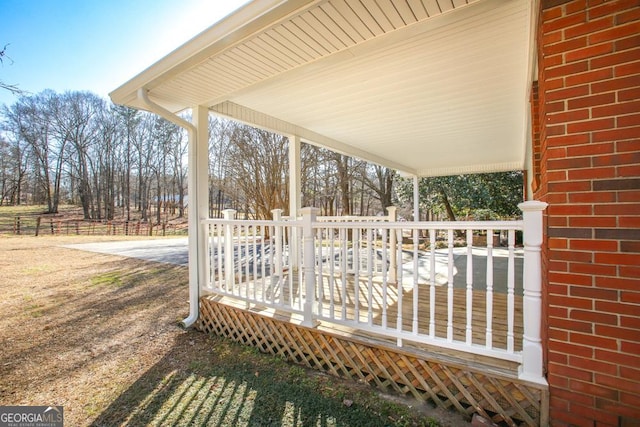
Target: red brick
558 334
575 6
557 289
620 283
621 209
551 14
630 297
571 419
630 69
589 27
631 359
629 94
630 195
631 399
557 243
591 125
557 198
593 173
570 396
569 186
591 100
628 43
594 340
557 357
631 347
591 221
610 7
572 302
629 221
568 116
618 109
593 389
570 279
556 403
628 16
618 383
595 197
630 120
614 59
595 317
593 293
566 70
616 308
570 349
564 22
615 33
615 160
560 312
561 141
596 270
630 322
572 256
565 46
570 210
568 93
554 107
593 245
616 134
589 77
593 365
570 372
614 84
590 149
607 418
629 171
588 52
616 258
552 38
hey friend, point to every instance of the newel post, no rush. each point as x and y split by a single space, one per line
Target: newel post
308 264
532 369
229 259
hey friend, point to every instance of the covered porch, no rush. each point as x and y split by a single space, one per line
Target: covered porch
428 88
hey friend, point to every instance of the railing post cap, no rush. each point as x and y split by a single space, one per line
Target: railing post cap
532 206
309 210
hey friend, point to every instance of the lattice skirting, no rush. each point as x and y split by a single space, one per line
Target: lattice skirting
449 385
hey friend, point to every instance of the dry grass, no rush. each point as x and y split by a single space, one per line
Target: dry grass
98 335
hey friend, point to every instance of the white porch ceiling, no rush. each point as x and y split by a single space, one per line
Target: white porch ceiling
428 87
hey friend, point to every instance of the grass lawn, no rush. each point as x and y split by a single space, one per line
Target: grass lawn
98 335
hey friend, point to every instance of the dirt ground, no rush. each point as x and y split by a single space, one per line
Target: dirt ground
86 330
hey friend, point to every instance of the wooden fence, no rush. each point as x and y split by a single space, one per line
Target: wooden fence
30 225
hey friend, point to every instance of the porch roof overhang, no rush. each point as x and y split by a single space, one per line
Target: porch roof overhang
426 87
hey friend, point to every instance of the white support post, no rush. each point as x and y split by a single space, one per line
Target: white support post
393 249
277 251
200 205
532 369
416 199
295 195
229 260
308 265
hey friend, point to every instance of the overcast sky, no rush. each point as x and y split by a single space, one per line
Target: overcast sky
94 45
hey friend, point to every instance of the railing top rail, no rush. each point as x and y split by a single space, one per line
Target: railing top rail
263 222
435 225
422 225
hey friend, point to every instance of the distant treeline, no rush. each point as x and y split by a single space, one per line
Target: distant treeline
117 162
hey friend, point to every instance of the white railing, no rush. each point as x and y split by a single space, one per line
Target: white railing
446 289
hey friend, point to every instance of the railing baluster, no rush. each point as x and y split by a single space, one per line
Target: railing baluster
385 248
343 271
469 327
489 304
399 288
510 291
356 273
320 267
332 272
416 260
450 266
432 283
370 271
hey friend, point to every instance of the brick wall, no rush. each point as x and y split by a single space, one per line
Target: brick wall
589 164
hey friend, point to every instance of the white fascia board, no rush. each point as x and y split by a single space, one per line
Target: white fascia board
263 121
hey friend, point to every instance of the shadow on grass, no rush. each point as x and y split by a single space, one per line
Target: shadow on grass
206 380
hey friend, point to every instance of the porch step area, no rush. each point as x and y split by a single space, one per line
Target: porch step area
464 382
